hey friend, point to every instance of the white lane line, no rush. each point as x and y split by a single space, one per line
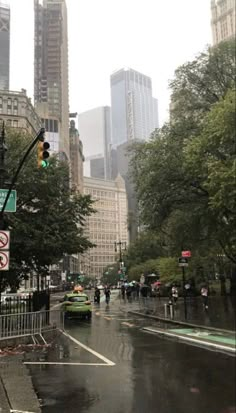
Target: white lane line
127 324
55 306
19 411
57 363
100 356
191 340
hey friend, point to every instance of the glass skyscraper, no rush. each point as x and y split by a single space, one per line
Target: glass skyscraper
4 46
134 109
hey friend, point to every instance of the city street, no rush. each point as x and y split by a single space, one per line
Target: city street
110 365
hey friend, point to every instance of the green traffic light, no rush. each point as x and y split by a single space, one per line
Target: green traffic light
44 164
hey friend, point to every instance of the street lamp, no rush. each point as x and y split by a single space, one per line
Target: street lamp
120 245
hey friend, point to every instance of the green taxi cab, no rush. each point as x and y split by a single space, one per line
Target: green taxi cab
77 304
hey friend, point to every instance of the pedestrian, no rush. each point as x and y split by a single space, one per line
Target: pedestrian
107 293
174 294
97 295
144 290
204 294
123 291
137 290
129 292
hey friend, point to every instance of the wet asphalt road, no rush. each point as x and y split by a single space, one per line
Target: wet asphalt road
150 374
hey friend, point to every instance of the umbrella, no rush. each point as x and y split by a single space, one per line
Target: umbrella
157 283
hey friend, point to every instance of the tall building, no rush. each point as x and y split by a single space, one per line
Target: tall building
107 225
51 71
134 110
95 132
223 21
4 46
76 157
17 111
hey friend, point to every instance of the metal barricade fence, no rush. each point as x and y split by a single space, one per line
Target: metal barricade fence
29 324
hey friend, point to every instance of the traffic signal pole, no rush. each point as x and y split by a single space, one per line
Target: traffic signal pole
39 136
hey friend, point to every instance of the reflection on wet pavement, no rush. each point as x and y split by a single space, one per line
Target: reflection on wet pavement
150 375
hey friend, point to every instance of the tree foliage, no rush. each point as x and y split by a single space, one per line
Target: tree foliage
50 217
185 174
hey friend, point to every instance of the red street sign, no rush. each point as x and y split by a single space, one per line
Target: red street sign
186 254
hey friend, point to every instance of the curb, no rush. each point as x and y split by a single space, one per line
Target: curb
231 351
183 323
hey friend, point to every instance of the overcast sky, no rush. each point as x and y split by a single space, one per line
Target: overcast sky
151 36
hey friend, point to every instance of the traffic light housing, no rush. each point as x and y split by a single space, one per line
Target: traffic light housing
43 154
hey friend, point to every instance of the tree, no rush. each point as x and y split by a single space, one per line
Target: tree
185 188
50 217
199 84
111 275
148 245
211 158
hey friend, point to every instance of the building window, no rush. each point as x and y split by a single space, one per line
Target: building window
224 28
223 6
15 123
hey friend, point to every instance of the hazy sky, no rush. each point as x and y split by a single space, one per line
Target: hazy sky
151 36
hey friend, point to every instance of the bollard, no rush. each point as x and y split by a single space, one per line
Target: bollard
171 311
166 310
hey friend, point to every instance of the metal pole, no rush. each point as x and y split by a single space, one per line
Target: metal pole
36 139
184 293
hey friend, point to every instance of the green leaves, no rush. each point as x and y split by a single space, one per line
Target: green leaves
185 175
50 216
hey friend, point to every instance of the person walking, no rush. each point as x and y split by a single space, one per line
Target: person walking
97 295
129 292
107 293
174 294
123 291
204 294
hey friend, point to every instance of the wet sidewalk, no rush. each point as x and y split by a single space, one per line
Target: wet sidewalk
220 313
16 389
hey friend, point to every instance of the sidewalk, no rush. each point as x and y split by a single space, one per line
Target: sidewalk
16 388
220 314
4 404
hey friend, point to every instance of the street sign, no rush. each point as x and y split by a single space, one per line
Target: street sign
142 279
183 262
186 254
4 260
4 240
11 203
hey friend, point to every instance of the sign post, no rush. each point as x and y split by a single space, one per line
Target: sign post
183 262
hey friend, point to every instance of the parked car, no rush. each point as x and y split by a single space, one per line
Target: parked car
77 305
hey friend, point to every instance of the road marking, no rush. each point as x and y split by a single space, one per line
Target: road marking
57 363
95 353
97 313
20 411
56 305
108 318
127 324
207 344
